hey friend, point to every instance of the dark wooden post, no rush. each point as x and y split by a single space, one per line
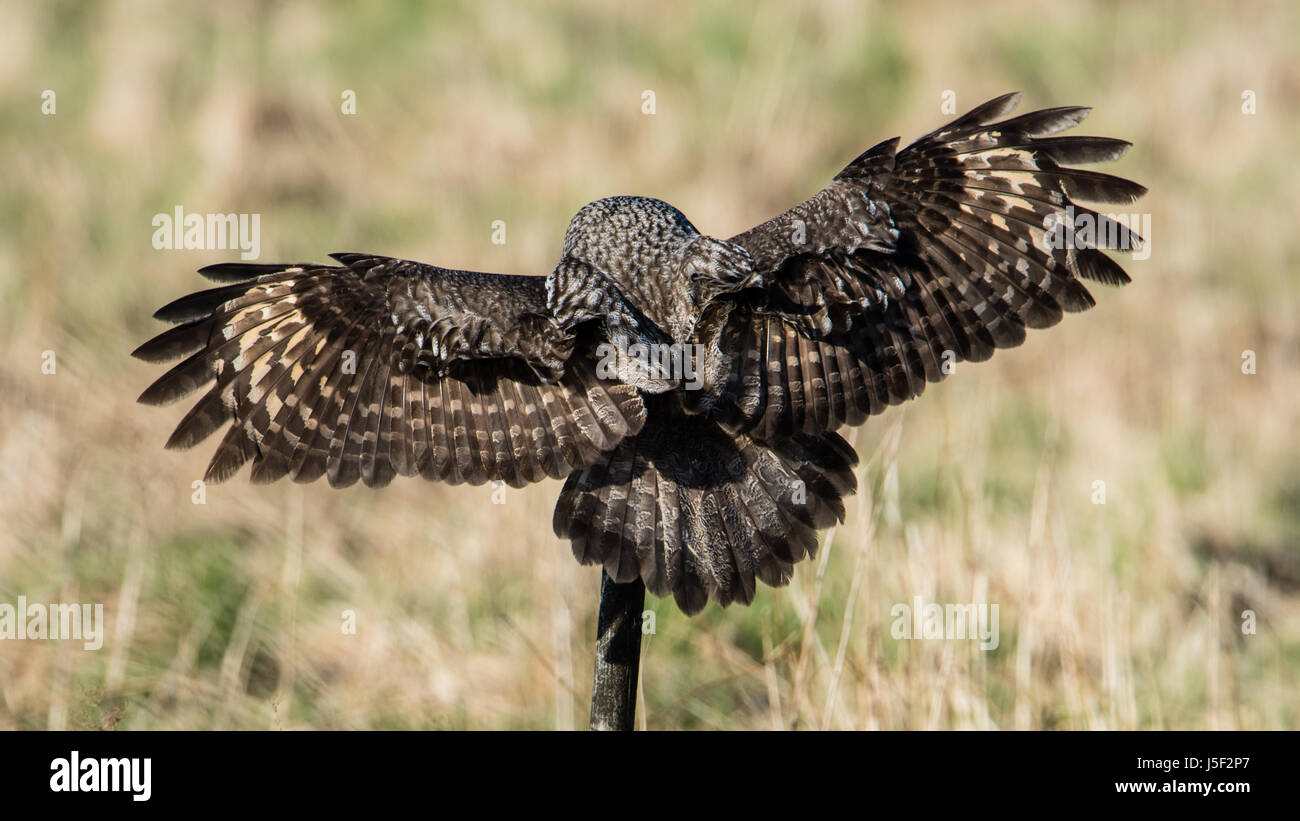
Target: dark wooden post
618 654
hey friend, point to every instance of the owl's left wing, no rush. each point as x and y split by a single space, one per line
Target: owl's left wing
380 367
946 250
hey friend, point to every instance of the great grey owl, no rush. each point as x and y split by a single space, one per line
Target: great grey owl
687 388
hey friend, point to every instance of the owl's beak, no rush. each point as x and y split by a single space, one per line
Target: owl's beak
739 281
723 268
754 280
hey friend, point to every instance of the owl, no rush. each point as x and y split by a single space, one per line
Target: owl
687 389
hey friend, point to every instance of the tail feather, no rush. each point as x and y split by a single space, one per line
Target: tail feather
701 514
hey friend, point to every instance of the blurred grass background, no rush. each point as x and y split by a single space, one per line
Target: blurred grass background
472 615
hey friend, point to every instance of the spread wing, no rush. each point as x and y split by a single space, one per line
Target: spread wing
380 367
944 251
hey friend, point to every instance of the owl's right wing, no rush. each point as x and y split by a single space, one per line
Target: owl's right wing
380 367
944 251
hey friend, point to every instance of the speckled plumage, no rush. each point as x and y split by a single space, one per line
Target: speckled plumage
824 315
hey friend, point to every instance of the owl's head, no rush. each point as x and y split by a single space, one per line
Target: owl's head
625 236
634 238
